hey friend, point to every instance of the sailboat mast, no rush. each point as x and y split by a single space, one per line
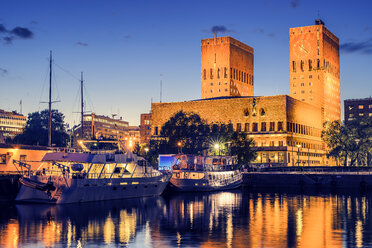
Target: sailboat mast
50 102
82 105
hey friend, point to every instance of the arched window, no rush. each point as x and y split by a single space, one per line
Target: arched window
262 112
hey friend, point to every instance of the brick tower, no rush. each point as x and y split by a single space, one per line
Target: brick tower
315 68
226 68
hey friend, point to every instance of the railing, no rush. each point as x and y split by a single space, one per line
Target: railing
77 175
226 181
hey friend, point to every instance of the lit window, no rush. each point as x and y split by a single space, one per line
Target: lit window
360 107
263 126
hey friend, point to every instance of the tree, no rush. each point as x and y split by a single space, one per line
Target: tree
349 141
36 130
187 131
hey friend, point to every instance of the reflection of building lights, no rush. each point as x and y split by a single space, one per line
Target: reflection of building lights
229 230
299 222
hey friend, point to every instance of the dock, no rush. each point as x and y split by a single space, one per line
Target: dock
310 177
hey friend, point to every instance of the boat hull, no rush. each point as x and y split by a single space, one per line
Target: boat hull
88 190
206 183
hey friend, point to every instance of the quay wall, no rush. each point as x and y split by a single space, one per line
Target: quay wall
287 179
9 187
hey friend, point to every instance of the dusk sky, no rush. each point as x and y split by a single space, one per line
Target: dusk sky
125 48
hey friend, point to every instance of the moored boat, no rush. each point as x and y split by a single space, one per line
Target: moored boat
205 173
84 177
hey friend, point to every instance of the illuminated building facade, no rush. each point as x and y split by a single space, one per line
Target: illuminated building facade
24 153
11 124
226 68
102 127
357 109
315 68
286 131
145 128
133 136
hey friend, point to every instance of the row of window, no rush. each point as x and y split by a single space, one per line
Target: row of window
264 127
316 66
305 145
303 129
234 74
361 114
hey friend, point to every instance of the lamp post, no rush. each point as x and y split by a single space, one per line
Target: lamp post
179 144
298 154
217 147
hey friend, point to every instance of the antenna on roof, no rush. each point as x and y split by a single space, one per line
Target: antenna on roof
161 86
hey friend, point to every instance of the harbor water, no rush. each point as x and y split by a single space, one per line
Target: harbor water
238 218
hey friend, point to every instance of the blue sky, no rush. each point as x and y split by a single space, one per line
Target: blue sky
125 48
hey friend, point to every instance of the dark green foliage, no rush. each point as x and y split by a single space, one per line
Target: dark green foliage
36 130
351 143
197 137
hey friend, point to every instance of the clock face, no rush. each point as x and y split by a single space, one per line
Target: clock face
301 48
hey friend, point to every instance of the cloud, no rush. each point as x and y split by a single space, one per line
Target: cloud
127 37
3 29
367 29
79 43
263 32
294 3
220 29
16 33
258 31
364 47
3 72
8 39
23 33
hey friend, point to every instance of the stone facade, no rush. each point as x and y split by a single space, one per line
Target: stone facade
278 124
315 68
226 68
145 128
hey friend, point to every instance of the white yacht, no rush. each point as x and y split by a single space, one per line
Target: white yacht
205 173
83 177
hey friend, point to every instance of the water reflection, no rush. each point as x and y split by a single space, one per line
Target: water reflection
238 218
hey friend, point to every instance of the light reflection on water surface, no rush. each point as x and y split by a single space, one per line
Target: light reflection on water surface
239 218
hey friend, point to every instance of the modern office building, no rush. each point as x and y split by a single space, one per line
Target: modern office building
357 109
11 124
315 68
226 68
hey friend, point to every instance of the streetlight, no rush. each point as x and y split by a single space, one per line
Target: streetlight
217 147
179 144
298 154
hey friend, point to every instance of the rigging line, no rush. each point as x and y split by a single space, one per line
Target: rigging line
66 71
55 86
73 106
75 101
43 85
89 100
